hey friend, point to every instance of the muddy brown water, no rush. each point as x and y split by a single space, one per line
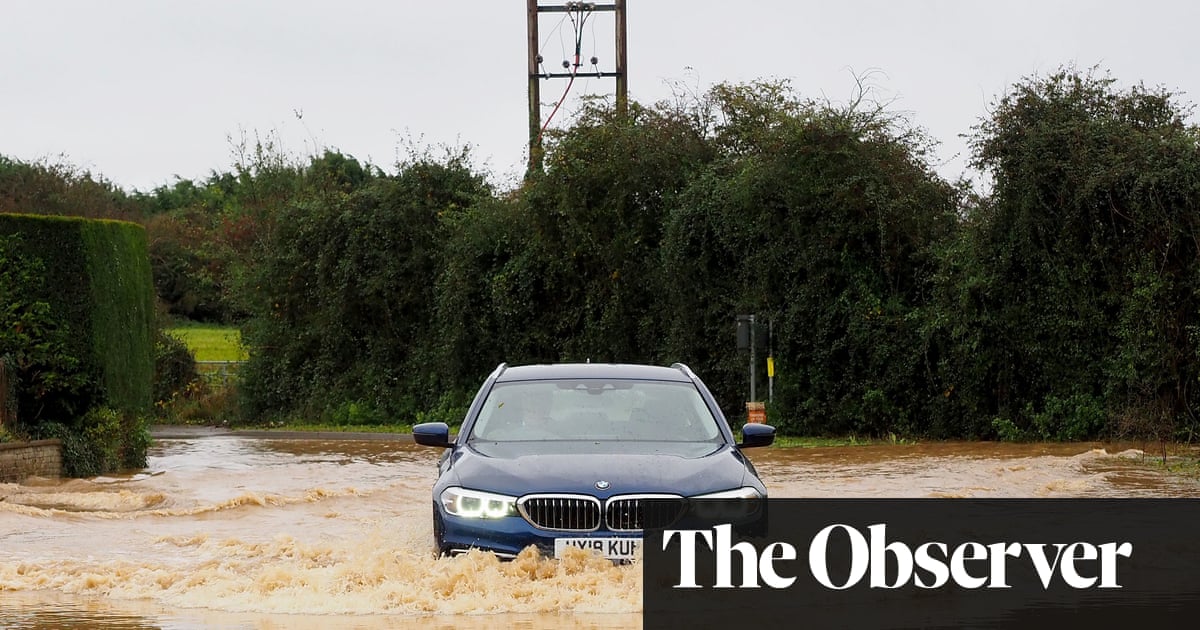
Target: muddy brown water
237 532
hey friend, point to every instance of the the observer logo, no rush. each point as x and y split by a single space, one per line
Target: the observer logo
926 563
879 563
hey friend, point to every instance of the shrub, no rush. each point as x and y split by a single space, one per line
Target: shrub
104 440
174 369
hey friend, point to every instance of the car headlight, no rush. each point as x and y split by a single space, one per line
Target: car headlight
733 506
745 492
476 504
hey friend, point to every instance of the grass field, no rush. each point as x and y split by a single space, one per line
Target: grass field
210 342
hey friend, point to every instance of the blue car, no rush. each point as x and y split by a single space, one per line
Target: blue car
583 455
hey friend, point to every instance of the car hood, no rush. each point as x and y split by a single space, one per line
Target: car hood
519 468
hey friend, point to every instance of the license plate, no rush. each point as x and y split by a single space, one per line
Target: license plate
611 548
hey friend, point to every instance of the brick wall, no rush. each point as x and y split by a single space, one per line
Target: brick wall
19 460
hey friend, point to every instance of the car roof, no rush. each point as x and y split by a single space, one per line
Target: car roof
557 371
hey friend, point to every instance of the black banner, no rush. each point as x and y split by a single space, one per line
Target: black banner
926 563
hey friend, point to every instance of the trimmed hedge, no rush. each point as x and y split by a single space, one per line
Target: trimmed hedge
122 298
79 311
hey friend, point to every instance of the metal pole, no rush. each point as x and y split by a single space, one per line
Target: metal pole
771 359
535 104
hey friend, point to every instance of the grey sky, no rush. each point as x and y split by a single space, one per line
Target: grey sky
142 91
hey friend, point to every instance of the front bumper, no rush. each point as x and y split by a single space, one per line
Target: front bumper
506 537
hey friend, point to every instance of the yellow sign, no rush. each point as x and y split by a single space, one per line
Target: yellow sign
770 367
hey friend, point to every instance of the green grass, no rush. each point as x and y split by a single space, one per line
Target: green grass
781 441
331 428
211 342
787 441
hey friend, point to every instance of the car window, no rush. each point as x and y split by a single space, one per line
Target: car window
595 409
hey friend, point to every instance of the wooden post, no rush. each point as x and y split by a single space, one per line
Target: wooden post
622 73
535 104
6 419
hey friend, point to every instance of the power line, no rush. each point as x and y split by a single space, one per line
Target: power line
583 11
579 14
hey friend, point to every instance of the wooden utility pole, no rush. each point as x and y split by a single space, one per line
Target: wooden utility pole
535 101
537 72
622 79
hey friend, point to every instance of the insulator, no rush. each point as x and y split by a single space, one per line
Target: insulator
540 59
595 60
566 64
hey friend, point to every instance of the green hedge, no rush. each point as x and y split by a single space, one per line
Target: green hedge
122 298
78 315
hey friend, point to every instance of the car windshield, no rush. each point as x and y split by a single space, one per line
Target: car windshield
595 409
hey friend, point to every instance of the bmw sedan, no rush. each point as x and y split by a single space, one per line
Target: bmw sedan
583 455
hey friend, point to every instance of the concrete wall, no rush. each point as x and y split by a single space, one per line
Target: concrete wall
19 460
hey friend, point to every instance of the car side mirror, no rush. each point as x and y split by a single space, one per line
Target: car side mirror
757 435
432 434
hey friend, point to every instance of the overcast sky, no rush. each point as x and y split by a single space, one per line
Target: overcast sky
144 91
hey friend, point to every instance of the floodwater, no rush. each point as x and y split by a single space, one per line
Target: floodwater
237 532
